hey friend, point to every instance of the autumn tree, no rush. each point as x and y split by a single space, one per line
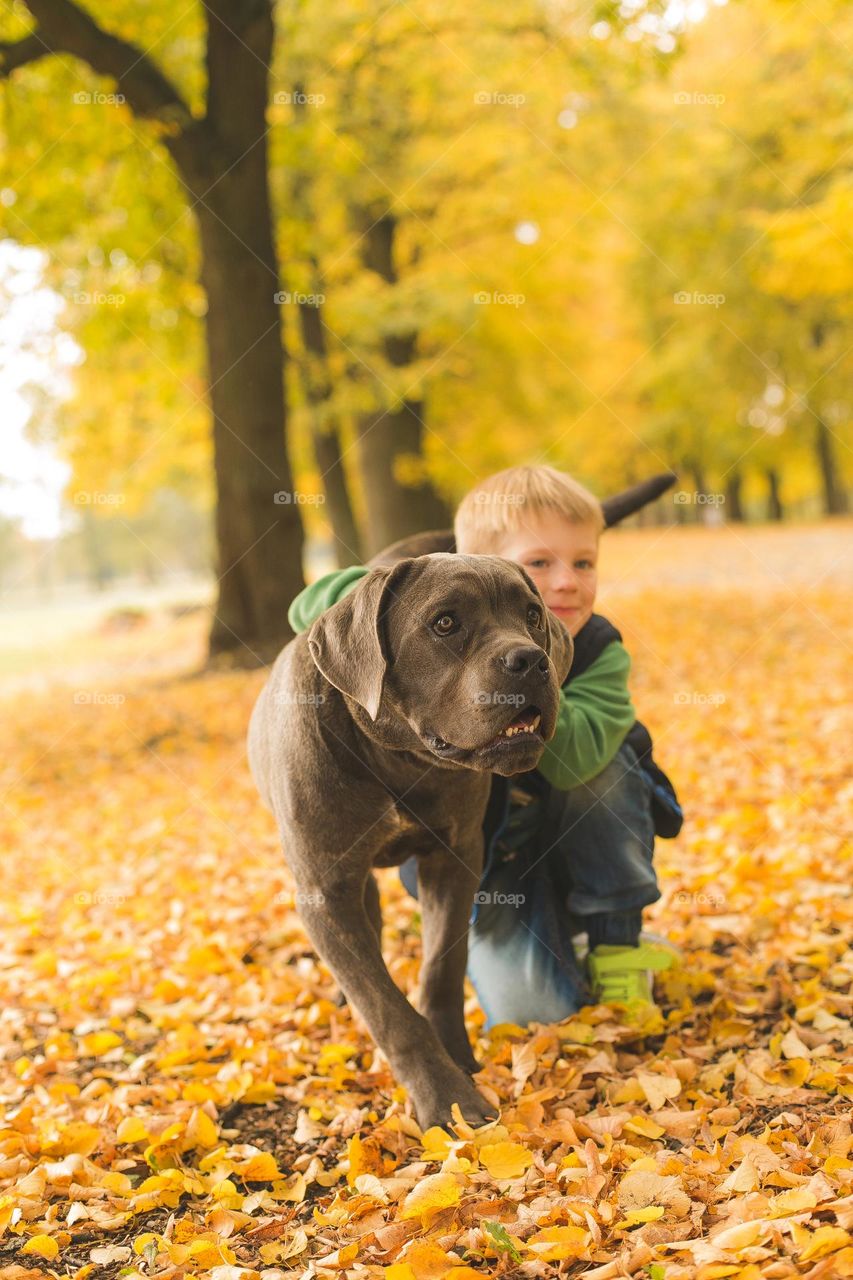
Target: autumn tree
217 143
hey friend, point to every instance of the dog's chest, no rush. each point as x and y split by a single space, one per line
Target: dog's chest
404 834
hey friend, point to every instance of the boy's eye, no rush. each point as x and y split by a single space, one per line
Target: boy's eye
584 564
534 616
537 564
444 624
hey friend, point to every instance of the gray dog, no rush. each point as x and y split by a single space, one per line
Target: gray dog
375 738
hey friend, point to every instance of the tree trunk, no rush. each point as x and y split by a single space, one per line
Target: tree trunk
327 451
258 523
325 435
834 495
395 508
734 502
775 510
222 162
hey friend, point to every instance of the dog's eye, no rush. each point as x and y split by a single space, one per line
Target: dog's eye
445 624
534 616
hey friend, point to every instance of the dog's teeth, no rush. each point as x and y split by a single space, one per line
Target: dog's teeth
511 730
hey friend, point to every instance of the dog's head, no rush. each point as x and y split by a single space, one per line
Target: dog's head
461 648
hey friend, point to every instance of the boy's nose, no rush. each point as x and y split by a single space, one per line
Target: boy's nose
566 580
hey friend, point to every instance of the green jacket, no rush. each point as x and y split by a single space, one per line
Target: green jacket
595 711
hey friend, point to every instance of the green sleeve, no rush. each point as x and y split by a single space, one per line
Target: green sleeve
322 594
594 715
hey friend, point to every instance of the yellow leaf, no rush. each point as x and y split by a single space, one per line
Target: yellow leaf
142 1242
292 1188
76 1137
658 1089
260 1091
364 1157
644 1126
505 1159
436 1143
427 1261
792 1046
131 1129
741 1236
651 1213
44 1246
842 1264
341 1258
201 1130
825 1240
398 1271
119 1183
207 1253
436 1191
793 1201
556 1243
99 1042
260 1168
791 1072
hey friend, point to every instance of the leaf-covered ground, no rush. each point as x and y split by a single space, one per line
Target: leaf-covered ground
181 1094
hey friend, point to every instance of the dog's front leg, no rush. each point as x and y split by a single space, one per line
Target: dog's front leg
339 927
447 882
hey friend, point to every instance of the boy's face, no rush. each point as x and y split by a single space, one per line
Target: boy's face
561 557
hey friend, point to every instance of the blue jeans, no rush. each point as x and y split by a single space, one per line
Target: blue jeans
551 860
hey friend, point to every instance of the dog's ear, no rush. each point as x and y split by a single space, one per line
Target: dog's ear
561 647
347 641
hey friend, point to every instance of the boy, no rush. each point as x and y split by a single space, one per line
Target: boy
568 846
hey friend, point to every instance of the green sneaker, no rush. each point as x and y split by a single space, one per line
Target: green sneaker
625 975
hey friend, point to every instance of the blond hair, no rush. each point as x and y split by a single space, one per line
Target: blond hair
508 500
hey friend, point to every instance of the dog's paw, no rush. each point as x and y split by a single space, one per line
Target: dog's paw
434 1098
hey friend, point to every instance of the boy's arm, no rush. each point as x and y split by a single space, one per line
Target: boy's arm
322 594
594 715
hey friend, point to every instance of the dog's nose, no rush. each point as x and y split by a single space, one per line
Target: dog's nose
522 658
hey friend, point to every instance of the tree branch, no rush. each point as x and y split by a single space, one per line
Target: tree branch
64 28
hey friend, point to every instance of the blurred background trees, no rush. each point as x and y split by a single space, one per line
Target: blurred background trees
615 238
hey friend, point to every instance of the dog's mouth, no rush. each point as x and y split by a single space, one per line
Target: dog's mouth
522 730
526 723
